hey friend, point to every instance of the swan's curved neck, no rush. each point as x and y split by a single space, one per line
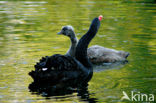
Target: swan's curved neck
72 49
81 49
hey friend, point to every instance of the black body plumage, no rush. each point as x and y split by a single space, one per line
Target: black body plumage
60 69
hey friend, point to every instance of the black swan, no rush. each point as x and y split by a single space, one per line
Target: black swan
61 71
96 53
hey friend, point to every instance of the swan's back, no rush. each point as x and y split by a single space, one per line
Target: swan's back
99 54
58 69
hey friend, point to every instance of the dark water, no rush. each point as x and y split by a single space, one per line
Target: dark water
28 31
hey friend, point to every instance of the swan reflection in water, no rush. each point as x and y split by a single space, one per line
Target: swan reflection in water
48 91
105 66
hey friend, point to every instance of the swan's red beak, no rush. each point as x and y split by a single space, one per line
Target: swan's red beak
100 17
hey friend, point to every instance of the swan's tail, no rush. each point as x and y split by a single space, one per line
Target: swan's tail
127 54
124 54
42 63
39 67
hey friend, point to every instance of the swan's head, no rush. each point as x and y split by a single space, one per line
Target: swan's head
67 31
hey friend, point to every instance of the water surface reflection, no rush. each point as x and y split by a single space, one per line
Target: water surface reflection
49 91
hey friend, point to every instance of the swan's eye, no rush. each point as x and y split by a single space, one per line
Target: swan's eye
64 29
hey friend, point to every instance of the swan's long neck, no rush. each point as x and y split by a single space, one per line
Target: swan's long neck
72 49
81 49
